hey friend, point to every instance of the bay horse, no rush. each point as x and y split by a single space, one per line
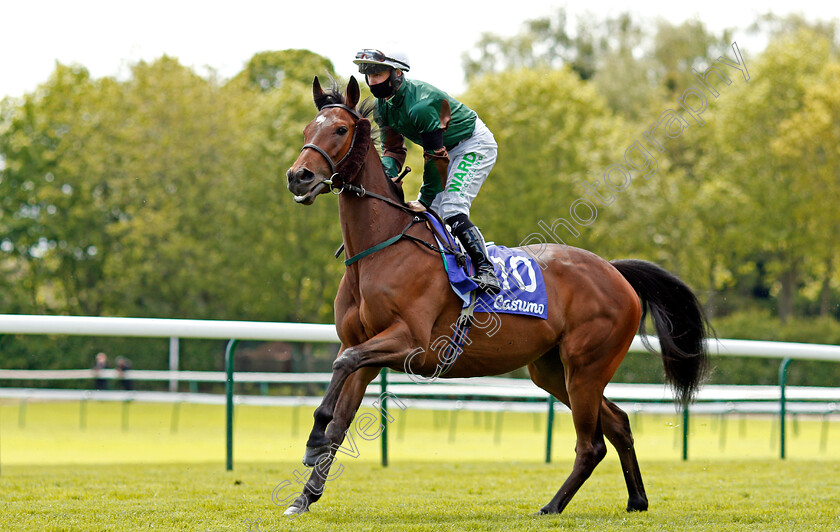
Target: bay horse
392 302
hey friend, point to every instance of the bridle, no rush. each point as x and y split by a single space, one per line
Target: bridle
334 165
360 191
345 184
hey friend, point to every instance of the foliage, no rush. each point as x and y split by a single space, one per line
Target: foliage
56 195
163 194
267 71
751 119
552 130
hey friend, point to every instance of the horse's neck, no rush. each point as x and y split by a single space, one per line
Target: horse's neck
365 222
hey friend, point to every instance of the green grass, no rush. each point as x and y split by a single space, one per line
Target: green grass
56 476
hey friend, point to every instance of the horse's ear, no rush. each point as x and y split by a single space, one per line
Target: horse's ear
317 92
353 93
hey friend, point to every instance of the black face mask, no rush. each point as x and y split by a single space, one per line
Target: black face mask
382 90
387 88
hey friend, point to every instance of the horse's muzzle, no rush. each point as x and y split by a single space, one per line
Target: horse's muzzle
309 197
302 183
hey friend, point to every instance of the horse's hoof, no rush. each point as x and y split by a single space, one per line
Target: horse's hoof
637 505
313 455
293 511
544 511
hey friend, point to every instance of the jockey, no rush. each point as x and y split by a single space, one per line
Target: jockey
458 148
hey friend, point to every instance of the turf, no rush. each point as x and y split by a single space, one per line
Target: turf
696 496
470 473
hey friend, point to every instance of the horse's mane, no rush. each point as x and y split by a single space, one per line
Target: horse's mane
366 108
333 94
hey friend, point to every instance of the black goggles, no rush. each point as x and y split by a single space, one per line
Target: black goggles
371 55
375 55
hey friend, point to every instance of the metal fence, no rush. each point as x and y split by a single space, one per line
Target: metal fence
711 398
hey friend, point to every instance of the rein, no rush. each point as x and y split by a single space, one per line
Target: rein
382 245
361 124
362 193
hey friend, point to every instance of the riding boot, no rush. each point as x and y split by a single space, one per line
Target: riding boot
484 275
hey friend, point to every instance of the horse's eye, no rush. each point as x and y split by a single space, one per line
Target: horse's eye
341 131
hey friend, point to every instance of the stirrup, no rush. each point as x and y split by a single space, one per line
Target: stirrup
488 282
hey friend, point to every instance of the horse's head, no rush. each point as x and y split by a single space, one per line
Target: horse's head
336 144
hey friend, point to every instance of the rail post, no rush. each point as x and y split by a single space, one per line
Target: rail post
229 352
174 356
549 429
383 387
782 405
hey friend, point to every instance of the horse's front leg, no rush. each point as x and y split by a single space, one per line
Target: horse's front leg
348 403
318 444
391 345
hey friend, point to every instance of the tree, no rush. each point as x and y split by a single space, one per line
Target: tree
777 27
687 212
290 261
56 194
810 139
553 130
634 67
549 42
750 117
176 185
270 70
678 48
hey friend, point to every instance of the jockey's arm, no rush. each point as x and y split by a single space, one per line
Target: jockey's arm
435 168
393 151
435 118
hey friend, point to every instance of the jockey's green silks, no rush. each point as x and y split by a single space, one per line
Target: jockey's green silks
414 111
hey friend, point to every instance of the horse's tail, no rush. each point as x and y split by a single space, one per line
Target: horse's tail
680 324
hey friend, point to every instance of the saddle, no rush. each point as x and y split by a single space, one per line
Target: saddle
523 290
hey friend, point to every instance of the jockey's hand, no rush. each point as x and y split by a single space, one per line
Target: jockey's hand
416 206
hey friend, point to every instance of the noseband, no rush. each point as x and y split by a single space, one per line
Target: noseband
357 154
334 170
354 165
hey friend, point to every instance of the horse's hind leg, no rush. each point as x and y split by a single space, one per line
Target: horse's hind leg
590 449
587 357
616 426
584 399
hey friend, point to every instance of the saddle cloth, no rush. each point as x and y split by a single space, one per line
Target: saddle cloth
523 290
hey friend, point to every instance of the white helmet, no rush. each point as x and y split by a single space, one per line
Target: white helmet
371 61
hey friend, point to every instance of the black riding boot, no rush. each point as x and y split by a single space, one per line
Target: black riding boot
474 244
